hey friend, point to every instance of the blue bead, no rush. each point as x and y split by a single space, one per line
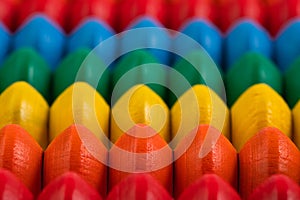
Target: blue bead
90 34
5 39
246 36
205 34
41 34
155 38
287 45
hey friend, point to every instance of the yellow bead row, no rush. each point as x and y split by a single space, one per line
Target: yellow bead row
258 107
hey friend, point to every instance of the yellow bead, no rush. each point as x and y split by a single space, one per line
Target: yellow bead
296 123
140 105
199 105
258 107
21 104
80 103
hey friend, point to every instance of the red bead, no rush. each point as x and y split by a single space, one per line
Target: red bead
12 188
137 187
279 12
277 187
132 9
208 187
104 10
69 186
7 13
232 10
183 10
55 9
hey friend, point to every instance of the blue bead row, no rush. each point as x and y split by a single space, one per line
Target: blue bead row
47 38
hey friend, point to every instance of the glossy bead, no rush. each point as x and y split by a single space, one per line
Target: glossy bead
141 150
80 104
279 13
81 65
182 11
12 188
209 186
230 11
292 84
138 67
25 64
77 149
142 105
138 186
243 37
69 186
105 10
55 10
5 41
9 10
252 68
156 38
90 34
286 46
197 106
21 155
277 186
203 32
133 9
21 104
196 68
205 150
258 107
267 153
296 121
41 34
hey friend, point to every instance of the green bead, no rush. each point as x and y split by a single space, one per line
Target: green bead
26 65
196 68
252 68
138 67
292 83
82 65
